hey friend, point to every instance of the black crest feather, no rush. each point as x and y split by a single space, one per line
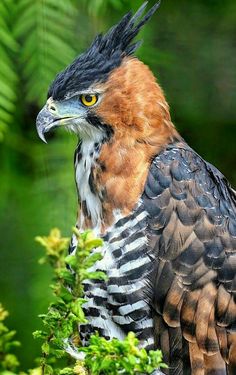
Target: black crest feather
105 53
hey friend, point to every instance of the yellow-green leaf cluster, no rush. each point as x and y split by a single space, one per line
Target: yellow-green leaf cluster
8 360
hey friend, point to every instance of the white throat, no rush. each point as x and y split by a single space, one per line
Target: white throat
85 159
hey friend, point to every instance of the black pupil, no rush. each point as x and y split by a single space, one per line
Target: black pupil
88 98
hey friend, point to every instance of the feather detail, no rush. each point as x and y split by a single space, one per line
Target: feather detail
223 342
104 55
214 364
196 359
173 304
232 353
188 315
203 314
223 300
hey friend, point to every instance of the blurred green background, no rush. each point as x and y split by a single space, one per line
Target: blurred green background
191 47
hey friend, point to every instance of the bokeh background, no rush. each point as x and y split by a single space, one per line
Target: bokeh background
191 47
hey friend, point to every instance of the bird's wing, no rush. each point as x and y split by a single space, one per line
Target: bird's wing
192 230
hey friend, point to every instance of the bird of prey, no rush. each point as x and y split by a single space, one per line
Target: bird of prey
167 217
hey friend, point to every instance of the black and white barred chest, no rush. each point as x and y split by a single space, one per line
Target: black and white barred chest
122 303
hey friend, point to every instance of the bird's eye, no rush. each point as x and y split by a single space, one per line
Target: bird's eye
88 99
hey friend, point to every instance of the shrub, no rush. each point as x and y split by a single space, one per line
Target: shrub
62 351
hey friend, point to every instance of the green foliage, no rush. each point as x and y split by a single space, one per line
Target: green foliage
35 43
60 335
96 7
8 361
114 357
47 28
66 313
8 77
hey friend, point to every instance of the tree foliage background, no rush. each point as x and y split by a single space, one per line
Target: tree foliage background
190 46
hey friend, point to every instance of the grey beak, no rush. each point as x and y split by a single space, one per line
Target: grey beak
45 121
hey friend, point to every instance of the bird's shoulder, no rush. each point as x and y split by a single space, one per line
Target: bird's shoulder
179 174
178 163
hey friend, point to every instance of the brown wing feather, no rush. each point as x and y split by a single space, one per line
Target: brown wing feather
223 342
173 304
196 359
214 365
212 346
192 230
208 345
188 315
232 353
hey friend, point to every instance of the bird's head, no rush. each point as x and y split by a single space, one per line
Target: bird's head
106 90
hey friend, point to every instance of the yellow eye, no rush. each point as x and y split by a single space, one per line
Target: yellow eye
88 99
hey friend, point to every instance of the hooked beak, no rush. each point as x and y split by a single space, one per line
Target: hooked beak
56 113
45 121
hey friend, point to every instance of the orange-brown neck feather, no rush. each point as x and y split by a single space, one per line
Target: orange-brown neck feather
134 106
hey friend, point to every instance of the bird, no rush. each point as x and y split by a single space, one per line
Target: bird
167 217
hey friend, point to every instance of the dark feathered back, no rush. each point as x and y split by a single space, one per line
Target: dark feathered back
105 53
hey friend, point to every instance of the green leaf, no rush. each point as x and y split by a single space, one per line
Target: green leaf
39 334
93 243
71 260
48 370
78 311
45 348
47 29
67 371
99 275
8 77
92 259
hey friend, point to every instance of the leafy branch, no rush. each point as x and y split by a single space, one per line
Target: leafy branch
8 361
66 313
62 351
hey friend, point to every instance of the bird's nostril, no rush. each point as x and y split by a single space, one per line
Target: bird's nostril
52 108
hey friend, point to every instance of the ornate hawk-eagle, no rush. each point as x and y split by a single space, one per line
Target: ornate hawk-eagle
167 217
